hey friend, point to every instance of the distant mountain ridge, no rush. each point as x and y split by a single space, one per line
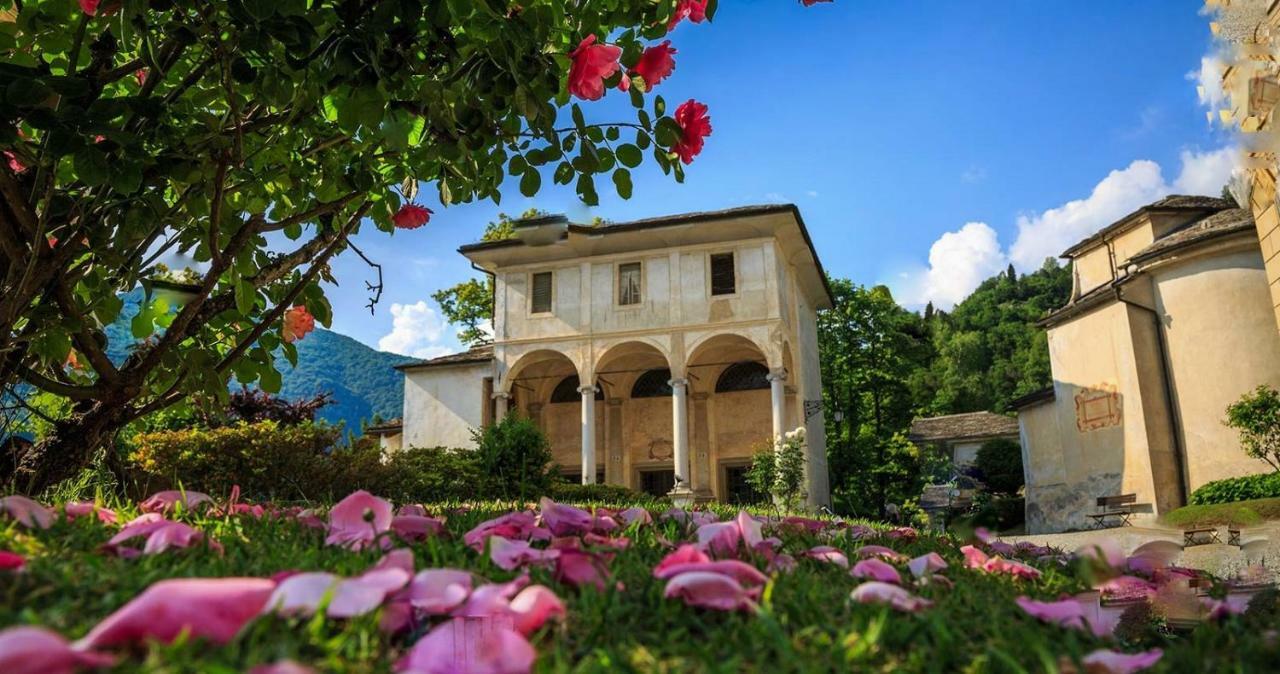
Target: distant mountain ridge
362 379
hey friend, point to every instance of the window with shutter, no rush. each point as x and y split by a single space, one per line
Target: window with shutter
541 297
723 281
629 283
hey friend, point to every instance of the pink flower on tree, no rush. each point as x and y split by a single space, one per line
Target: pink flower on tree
693 10
655 64
411 216
97 8
298 323
10 561
695 126
592 65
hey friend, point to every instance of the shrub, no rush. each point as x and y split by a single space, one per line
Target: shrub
779 470
1000 461
514 458
266 459
1256 416
429 474
612 494
1230 490
1001 513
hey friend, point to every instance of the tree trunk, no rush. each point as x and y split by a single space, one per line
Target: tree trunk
70 447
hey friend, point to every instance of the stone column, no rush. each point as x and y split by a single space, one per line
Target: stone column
778 400
680 432
501 399
701 439
588 434
614 467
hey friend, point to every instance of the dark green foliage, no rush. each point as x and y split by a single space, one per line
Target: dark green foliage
1001 513
869 348
1234 489
1264 608
514 458
989 350
1138 626
604 494
430 475
1000 462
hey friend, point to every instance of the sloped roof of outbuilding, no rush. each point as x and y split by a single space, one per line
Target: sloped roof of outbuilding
476 354
970 425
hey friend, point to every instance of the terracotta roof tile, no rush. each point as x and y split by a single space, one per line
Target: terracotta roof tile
476 354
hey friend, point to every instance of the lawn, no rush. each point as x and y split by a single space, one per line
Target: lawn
1240 513
615 617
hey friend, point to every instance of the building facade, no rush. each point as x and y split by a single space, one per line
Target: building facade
1170 321
960 436
658 354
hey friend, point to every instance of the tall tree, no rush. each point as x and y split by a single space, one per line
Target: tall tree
869 347
132 130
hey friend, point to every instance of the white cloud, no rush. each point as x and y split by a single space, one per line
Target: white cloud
416 330
1208 81
813 194
1123 191
958 262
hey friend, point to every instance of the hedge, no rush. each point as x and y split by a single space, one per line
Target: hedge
1230 490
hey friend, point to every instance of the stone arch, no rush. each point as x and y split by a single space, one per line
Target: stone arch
540 363
619 364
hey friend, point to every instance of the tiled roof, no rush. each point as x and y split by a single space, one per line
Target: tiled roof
476 354
1173 202
1219 224
963 426
390 426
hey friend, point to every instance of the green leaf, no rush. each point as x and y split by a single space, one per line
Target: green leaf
659 106
586 189
246 297
564 173
530 182
629 155
622 181
517 165
578 120
91 166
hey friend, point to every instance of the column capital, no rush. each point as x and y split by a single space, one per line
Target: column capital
777 375
584 390
501 395
678 381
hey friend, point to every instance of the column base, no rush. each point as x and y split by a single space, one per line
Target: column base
682 496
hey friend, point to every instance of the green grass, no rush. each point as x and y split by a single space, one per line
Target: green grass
806 624
1242 513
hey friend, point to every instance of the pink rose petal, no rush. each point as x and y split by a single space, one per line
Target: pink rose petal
357 520
925 565
455 647
705 589
875 592
509 555
740 571
516 525
1110 662
26 649
826 553
27 512
209 608
164 501
875 569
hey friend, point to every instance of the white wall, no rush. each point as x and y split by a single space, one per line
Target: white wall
442 404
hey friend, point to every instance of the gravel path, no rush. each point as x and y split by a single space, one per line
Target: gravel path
1261 545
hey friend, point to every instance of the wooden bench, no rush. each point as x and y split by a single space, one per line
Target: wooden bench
1119 506
1190 537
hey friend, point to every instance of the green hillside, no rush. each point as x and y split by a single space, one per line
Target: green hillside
360 378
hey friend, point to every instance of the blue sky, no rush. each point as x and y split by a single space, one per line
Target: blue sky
928 144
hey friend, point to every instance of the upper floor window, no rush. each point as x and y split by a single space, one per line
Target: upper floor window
540 297
723 276
629 283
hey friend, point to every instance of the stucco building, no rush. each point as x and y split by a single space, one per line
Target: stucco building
658 354
1170 321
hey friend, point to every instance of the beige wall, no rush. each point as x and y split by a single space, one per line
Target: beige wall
390 442
675 288
442 404
1216 329
1212 366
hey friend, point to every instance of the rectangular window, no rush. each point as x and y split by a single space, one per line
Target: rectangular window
723 279
736 488
540 298
657 482
629 283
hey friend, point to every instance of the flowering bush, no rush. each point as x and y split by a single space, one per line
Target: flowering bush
779 469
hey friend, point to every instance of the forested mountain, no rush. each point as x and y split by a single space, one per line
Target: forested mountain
988 348
360 378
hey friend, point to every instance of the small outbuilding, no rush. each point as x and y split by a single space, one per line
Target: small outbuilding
962 435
